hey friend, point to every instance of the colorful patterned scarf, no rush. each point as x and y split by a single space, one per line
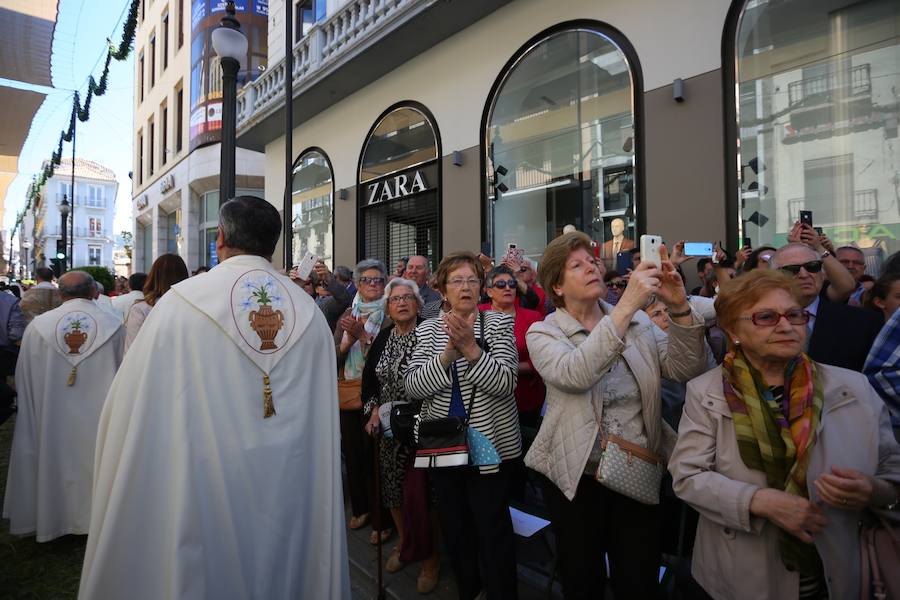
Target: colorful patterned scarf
777 440
373 312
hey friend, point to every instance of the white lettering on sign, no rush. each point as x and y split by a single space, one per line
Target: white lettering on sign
397 187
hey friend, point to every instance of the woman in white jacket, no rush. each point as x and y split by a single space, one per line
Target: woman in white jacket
602 367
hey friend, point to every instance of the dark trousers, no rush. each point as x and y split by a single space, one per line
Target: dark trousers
473 510
597 522
358 449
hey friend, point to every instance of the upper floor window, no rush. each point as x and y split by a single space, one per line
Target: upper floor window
165 40
307 13
141 76
560 144
95 197
816 122
152 59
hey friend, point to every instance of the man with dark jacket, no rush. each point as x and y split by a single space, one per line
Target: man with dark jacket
838 334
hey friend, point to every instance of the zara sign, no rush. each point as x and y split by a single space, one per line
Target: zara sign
402 185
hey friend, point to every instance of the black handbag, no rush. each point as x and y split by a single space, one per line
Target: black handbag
444 442
403 423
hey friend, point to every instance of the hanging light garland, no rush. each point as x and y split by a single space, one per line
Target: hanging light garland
81 111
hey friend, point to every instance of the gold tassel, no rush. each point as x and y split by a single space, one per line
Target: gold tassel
268 405
71 381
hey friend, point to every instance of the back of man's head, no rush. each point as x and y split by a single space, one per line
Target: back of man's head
77 284
136 282
343 274
43 274
250 225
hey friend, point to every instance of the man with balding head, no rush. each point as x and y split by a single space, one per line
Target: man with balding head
42 297
68 359
417 270
837 334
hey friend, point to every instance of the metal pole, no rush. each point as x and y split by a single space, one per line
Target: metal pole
12 265
230 69
65 231
70 255
287 229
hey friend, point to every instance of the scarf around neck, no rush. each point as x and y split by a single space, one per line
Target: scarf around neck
373 312
777 440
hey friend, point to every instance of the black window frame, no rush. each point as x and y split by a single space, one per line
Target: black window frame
438 161
621 41
288 236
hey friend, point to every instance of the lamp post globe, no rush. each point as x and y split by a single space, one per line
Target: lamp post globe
64 211
230 44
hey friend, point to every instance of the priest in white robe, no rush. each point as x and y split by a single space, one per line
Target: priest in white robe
67 362
218 457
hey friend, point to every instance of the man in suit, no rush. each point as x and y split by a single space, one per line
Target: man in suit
839 335
618 243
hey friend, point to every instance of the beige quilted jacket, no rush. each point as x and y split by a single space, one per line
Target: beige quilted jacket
572 361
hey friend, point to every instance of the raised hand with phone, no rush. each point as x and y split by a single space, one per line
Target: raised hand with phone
841 281
648 281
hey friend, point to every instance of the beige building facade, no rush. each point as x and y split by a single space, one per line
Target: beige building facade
425 128
177 99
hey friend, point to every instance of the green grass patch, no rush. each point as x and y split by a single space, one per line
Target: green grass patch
32 571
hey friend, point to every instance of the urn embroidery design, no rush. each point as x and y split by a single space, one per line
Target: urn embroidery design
265 321
75 336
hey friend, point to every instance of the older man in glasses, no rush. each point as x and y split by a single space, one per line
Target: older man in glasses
839 335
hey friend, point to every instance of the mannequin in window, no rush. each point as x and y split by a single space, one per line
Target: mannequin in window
618 243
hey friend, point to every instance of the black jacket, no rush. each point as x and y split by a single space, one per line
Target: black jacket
843 335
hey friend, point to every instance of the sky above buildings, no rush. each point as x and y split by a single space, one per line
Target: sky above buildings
79 48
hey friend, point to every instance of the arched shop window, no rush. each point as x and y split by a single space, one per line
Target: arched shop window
312 207
399 187
561 143
816 114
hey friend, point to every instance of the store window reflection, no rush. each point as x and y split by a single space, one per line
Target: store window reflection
818 107
312 209
561 146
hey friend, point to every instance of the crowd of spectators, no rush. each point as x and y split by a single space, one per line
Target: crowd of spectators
769 392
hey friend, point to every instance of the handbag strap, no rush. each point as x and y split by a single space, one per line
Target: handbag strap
454 373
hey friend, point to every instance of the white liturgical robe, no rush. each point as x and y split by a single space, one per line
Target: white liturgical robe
218 454
67 362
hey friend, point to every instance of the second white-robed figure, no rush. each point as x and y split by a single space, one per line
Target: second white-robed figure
218 462
68 360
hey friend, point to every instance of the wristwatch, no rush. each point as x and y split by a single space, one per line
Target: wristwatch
825 255
675 315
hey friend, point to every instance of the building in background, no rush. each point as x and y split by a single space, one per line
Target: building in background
177 125
425 127
93 206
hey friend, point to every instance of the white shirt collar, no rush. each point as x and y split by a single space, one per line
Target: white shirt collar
812 309
45 284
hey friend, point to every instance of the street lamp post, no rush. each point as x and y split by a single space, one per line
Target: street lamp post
64 212
26 245
230 45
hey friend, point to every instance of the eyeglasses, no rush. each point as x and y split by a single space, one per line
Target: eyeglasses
372 280
523 269
402 298
460 282
502 284
621 285
813 266
770 318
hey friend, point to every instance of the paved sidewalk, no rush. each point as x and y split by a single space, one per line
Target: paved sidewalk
531 556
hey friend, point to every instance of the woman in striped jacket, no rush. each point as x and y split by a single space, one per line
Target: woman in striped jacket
451 363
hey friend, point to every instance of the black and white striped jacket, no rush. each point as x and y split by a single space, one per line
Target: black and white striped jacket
494 374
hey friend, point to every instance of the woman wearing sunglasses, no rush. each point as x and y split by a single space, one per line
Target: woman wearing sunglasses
353 336
780 455
500 285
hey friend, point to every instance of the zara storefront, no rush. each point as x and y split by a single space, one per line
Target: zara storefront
709 121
